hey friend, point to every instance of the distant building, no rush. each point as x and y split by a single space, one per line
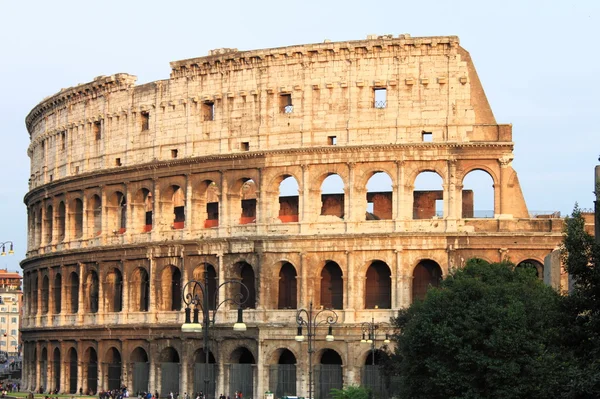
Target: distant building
10 308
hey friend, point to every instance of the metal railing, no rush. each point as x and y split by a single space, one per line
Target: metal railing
380 104
288 109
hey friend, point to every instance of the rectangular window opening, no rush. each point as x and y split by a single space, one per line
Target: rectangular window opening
208 110
427 137
173 153
380 97
145 120
285 103
98 130
332 140
245 146
118 162
63 140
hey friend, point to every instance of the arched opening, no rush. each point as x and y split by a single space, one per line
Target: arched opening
57 293
332 287
140 290
372 376
426 274
478 195
247 275
174 204
92 292
203 372
45 294
76 217
288 292
38 228
241 376
288 200
117 213
56 369
208 203
379 197
428 196
113 361
533 264
328 374
114 290
378 286
91 370
48 225
211 283
44 370
169 369
62 217
282 376
94 217
248 197
73 292
72 370
332 196
142 209
170 292
34 294
141 370
33 363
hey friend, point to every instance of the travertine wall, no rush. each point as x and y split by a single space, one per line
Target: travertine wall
139 188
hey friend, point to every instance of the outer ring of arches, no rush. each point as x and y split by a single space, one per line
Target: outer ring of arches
431 258
317 271
331 346
275 354
413 173
362 271
366 175
333 169
275 180
235 182
480 167
230 352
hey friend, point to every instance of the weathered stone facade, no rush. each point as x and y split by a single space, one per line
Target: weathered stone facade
135 190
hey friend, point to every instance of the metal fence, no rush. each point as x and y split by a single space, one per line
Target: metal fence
282 380
169 378
114 376
327 377
201 373
240 379
141 372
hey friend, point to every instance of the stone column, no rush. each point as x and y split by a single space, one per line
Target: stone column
68 235
101 281
156 208
454 196
501 196
104 212
223 207
125 292
183 373
64 383
81 303
153 300
304 197
37 365
81 380
349 197
261 200
350 301
129 222
189 214
85 229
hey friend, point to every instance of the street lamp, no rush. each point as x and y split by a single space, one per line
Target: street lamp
196 303
10 251
369 335
306 318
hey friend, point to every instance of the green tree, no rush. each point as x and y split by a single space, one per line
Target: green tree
350 392
581 257
488 331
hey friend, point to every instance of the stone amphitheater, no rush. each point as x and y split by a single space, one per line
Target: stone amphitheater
257 166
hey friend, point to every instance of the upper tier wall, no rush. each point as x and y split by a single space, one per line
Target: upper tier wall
298 96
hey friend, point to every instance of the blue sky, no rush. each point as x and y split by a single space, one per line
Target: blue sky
538 62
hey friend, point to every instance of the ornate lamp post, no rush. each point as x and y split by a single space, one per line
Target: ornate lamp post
196 298
311 321
10 251
369 335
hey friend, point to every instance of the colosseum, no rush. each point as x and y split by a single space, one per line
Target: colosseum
259 166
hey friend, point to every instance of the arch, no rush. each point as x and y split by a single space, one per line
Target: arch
76 218
478 194
38 228
57 290
90 370
142 209
170 288
92 292
141 369
71 371
241 371
332 286
534 264
332 196
117 213
45 294
427 273
35 289
56 368
374 357
380 197
428 195
329 373
61 221
48 224
73 292
113 361
378 286
200 356
211 282
173 207
207 202
282 375
288 291
248 279
114 290
94 216
288 199
203 371
139 290
248 191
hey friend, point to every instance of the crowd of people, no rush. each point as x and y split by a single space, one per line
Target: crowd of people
9 387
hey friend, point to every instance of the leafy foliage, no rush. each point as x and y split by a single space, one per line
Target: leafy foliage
488 331
350 392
